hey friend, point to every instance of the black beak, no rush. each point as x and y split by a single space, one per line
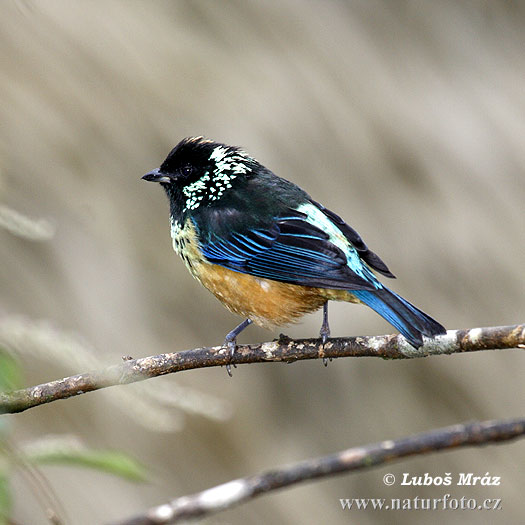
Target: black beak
156 176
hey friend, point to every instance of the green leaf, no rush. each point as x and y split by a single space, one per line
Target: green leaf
61 453
10 373
10 379
5 499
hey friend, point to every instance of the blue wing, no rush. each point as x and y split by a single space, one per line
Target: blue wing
293 250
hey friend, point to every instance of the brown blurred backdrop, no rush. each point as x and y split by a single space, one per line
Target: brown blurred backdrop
407 118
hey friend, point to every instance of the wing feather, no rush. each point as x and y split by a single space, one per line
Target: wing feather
291 250
371 258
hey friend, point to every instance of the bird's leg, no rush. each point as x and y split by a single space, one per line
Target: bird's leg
324 333
231 341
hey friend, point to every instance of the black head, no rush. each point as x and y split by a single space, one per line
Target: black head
199 172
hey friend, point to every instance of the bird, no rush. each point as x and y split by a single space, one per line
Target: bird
266 249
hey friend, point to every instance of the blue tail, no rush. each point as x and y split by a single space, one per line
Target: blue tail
409 320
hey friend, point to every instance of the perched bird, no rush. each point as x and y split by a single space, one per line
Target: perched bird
266 249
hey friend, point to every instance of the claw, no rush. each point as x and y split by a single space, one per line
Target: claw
232 345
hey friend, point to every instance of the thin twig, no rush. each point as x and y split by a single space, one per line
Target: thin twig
243 489
284 349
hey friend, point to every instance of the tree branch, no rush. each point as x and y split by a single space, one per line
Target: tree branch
284 349
243 489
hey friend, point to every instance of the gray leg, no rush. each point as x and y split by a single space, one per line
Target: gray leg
324 333
231 341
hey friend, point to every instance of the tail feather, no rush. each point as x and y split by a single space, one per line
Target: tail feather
409 320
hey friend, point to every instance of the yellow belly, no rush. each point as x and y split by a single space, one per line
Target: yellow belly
267 303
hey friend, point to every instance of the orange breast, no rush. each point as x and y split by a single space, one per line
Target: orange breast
267 303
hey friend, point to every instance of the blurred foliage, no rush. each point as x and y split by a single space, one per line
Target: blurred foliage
406 118
22 226
10 373
151 405
53 450
10 379
5 495
49 450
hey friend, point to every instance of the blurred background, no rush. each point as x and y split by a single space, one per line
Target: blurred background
406 118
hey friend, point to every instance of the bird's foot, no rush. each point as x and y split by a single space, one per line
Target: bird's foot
324 334
324 338
232 346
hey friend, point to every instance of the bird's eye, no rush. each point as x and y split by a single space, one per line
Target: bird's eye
186 170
